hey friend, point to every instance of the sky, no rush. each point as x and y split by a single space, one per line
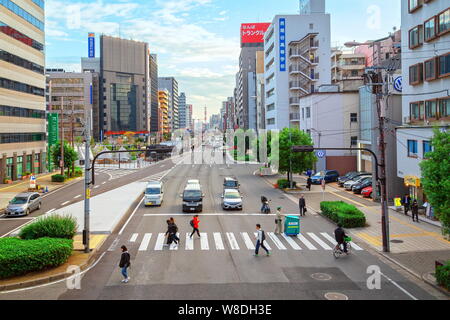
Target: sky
197 41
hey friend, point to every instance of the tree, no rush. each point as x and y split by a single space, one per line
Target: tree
435 181
70 156
289 137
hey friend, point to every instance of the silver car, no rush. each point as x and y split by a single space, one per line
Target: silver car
23 204
231 199
349 184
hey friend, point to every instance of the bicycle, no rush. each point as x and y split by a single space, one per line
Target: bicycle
338 251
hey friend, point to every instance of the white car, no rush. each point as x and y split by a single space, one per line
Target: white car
231 199
349 184
192 181
154 194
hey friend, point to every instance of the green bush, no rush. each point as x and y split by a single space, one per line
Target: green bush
346 214
284 184
18 257
53 226
58 178
443 275
78 172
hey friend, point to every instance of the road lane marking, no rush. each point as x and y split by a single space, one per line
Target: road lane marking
78 196
145 242
160 242
134 237
291 242
103 183
131 217
209 214
114 245
96 187
248 241
232 240
174 246
276 241
204 241
50 211
333 241
64 203
306 242
319 241
189 242
218 241
398 286
266 244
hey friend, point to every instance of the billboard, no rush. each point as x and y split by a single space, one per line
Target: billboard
53 136
91 50
253 32
282 38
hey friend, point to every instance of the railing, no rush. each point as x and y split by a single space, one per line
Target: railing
294 100
294 116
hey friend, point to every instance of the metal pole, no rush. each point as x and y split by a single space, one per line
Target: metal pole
62 137
87 193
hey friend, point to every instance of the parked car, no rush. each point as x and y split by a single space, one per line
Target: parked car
367 192
350 176
230 183
154 194
328 176
358 187
231 199
23 204
193 198
349 184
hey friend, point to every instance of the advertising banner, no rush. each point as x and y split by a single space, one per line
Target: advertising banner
282 49
253 32
91 39
53 132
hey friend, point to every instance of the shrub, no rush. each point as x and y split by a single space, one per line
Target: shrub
53 226
284 184
443 275
58 178
78 172
346 214
18 257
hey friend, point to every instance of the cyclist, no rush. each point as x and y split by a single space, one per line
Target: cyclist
339 235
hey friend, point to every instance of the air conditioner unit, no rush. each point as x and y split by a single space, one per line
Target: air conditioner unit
406 120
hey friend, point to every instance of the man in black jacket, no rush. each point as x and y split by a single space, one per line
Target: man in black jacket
302 205
171 232
124 264
406 202
339 235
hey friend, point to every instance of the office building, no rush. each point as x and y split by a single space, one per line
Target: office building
182 111
22 89
189 121
171 84
154 123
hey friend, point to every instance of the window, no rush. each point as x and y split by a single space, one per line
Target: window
430 69
416 37
413 5
426 148
429 29
23 14
271 121
311 26
18 61
354 141
412 148
430 109
13 33
303 113
416 111
444 65
443 22
21 87
8 111
21 137
271 107
416 74
308 112
444 108
353 117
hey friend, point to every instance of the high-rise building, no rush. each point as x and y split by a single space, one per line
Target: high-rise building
189 120
163 100
154 123
125 86
260 108
426 83
22 89
297 62
92 65
171 84
182 111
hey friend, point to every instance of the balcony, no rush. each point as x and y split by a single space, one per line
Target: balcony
298 85
294 100
294 116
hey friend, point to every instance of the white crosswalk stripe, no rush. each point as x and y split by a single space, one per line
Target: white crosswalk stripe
204 241
189 242
319 241
248 241
145 242
291 242
134 237
266 244
276 241
306 242
160 242
218 241
232 240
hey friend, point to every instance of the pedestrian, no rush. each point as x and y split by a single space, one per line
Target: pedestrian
309 183
174 230
125 264
260 238
194 224
302 205
171 233
406 202
279 222
415 210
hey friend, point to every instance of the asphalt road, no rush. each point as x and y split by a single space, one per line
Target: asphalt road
221 264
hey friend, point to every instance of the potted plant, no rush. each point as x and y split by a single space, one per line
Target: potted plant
7 180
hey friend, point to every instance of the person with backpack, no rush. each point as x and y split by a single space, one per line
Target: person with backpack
194 224
171 233
174 230
124 264
260 238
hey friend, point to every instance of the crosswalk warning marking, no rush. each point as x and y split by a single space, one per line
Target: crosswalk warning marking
189 242
145 242
306 242
291 242
218 241
204 241
319 241
333 241
134 237
174 246
266 244
248 241
276 241
232 240
160 242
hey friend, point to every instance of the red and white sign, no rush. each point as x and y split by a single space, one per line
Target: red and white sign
253 32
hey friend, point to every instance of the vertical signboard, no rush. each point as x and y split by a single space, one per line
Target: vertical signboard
53 135
282 49
91 40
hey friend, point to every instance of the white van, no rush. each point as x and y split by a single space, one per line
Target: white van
154 194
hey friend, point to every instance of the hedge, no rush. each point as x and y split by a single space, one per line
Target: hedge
58 178
346 214
284 184
18 257
53 226
443 275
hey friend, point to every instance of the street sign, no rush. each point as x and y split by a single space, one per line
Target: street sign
398 84
32 182
88 193
323 184
321 154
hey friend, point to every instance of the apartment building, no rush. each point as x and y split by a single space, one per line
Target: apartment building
22 89
182 111
171 84
163 100
347 69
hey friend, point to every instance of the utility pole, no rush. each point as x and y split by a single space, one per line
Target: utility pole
62 138
87 182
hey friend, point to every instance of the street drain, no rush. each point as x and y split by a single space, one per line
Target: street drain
397 241
321 276
335 296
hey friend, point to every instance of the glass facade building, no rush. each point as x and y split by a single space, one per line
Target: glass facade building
123 107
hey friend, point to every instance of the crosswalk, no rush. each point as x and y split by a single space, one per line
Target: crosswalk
115 173
217 241
157 176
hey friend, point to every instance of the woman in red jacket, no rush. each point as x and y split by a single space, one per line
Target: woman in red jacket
194 224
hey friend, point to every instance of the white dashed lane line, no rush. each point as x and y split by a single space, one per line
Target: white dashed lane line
64 203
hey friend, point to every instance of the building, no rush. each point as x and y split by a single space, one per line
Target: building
380 50
125 86
182 111
155 112
426 83
260 109
163 100
92 65
73 93
297 61
22 89
347 69
171 84
189 110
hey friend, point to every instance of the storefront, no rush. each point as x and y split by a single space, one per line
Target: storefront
415 188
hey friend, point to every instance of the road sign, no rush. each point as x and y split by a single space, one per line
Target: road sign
323 184
398 84
321 154
88 193
32 182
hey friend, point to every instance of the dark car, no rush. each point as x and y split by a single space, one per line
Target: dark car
230 183
350 176
328 176
192 198
358 187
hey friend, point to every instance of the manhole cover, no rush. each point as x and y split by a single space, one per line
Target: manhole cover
397 241
321 276
282 198
335 296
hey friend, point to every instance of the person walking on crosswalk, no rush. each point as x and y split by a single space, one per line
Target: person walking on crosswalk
175 230
279 222
124 264
194 224
260 238
171 233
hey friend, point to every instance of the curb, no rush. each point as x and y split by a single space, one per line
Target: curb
425 278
